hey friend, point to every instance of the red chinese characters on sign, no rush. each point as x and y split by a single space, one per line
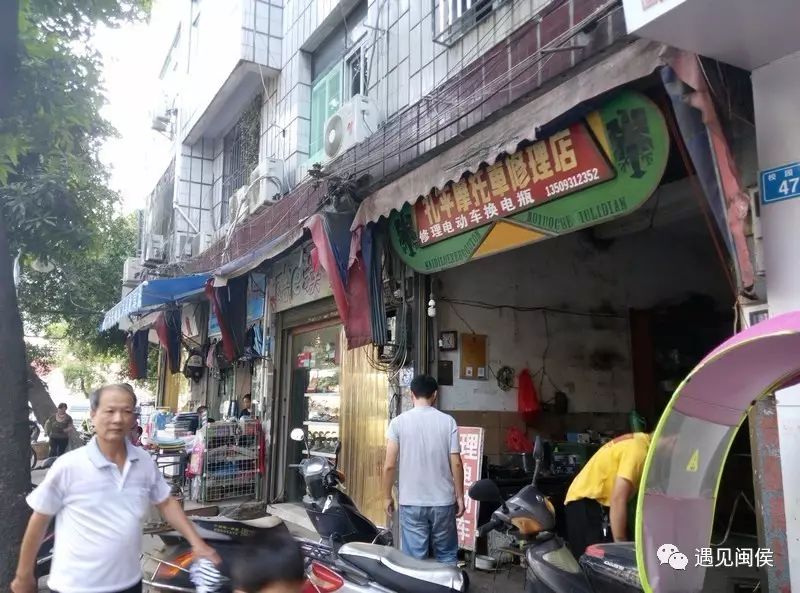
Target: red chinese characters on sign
567 162
472 458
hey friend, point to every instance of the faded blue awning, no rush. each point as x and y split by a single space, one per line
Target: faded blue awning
154 294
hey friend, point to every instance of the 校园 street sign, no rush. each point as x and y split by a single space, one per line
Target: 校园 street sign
780 183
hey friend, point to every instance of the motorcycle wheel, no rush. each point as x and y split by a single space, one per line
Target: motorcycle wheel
34 458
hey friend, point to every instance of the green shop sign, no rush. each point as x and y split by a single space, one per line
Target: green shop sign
596 170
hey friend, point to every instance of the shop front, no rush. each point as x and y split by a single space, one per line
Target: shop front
574 283
321 386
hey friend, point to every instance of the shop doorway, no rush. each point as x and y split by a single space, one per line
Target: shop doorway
313 365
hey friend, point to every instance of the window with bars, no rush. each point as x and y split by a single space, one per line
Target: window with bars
240 154
454 18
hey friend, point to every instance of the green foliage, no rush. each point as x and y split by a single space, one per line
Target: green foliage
53 187
84 284
52 184
41 356
85 376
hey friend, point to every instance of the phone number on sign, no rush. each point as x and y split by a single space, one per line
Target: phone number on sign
573 182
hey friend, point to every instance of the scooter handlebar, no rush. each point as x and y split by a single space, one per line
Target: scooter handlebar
490 526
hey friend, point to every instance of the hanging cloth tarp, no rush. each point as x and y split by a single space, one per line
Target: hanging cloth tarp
138 346
333 250
229 303
710 154
168 328
372 250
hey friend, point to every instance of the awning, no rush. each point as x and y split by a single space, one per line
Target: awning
152 294
251 260
637 60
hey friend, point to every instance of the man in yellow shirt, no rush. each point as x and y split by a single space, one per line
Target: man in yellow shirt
609 480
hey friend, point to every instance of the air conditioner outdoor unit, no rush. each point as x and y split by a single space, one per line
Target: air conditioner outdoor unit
266 184
355 121
201 242
238 207
183 247
132 272
154 253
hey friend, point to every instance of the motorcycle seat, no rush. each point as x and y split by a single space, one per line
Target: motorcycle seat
401 573
225 528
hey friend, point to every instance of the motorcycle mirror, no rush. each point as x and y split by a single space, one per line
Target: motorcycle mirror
297 434
485 491
538 449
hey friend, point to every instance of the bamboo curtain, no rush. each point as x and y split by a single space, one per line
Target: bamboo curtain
363 417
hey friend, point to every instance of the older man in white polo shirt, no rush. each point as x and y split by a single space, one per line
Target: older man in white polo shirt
99 495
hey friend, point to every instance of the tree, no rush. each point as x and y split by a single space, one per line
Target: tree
70 301
53 193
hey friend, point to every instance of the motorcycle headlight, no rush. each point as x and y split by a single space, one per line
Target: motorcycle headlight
314 466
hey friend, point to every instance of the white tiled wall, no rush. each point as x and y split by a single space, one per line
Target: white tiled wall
407 64
229 31
281 35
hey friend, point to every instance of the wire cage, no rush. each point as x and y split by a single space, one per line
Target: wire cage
233 461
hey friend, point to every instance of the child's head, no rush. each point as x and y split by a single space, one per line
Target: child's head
274 565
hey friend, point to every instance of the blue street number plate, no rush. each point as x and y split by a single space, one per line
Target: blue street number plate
780 183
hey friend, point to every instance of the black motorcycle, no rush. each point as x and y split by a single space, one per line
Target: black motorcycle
529 517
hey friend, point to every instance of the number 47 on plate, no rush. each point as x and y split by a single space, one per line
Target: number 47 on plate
780 183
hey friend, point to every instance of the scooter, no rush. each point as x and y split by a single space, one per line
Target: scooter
333 513
529 517
170 569
356 547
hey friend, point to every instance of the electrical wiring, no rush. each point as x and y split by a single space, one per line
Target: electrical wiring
529 309
486 92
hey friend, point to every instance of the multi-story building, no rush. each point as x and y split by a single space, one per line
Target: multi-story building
450 131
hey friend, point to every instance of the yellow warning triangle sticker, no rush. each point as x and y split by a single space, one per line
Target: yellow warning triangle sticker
694 461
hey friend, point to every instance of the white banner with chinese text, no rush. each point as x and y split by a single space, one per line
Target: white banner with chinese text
471 439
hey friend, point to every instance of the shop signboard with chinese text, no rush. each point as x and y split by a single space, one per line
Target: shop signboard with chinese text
471 439
293 281
598 169
567 162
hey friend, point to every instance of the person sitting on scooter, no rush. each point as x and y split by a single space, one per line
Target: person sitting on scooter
608 481
275 566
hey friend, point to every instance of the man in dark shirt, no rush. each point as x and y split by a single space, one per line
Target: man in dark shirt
246 403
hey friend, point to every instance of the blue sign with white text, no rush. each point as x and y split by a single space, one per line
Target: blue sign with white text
780 183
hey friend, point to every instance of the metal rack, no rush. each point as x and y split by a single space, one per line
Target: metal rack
172 465
232 461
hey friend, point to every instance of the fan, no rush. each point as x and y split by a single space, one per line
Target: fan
334 134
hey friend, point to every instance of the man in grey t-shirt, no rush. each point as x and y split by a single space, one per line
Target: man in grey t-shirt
431 483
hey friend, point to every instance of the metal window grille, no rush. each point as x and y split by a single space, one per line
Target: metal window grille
454 18
240 154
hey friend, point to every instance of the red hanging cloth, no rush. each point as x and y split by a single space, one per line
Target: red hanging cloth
528 404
